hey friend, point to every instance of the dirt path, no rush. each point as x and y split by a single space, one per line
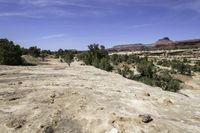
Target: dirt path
83 99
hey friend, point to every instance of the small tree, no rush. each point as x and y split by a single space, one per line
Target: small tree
173 86
166 81
10 54
105 64
115 59
125 71
146 68
34 51
69 57
96 56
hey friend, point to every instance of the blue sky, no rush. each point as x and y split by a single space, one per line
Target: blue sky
67 24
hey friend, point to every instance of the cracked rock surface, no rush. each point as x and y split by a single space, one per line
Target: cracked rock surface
56 98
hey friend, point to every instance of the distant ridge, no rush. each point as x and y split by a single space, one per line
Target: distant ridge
164 43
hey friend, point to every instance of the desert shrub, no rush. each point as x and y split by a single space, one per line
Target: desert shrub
129 59
80 56
185 60
197 63
59 53
10 54
105 64
88 58
147 80
24 51
166 82
196 67
173 85
96 56
115 59
180 67
146 68
126 72
148 73
69 57
164 63
124 58
34 51
46 53
133 59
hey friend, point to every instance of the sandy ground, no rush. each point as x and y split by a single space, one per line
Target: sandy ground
83 99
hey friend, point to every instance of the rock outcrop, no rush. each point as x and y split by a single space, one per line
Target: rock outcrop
55 98
165 42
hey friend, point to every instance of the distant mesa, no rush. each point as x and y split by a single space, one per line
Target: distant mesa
165 42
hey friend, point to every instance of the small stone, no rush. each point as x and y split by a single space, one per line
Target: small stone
19 126
147 94
49 130
102 108
167 102
19 83
13 98
146 118
113 121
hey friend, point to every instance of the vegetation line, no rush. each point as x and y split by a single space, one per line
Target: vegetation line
134 67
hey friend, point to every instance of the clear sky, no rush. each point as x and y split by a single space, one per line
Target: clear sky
54 24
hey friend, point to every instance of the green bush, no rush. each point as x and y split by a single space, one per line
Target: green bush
164 63
34 51
96 56
166 82
69 57
10 54
133 59
196 67
59 53
105 64
24 51
181 68
115 59
129 59
147 80
173 85
126 72
146 68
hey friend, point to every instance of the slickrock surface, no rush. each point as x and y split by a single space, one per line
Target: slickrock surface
83 99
